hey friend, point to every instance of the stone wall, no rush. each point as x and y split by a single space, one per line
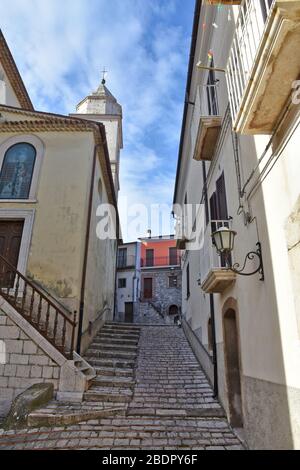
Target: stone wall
147 315
22 363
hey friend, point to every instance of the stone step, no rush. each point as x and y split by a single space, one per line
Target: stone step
112 340
122 326
113 372
107 394
102 353
112 363
67 417
118 336
113 381
113 347
116 329
176 412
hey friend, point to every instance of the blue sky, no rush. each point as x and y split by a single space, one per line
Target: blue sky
60 48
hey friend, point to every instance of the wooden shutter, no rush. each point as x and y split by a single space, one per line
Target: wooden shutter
222 212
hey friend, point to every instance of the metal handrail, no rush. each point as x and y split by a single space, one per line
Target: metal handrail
35 306
159 261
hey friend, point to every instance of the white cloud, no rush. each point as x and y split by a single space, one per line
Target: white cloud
61 47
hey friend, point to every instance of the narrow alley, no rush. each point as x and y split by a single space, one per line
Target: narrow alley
149 393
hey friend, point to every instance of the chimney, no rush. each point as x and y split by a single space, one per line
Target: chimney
149 232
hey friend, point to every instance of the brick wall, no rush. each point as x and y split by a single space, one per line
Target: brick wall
22 363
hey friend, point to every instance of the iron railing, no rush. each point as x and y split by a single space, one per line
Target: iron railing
250 27
173 260
37 308
128 261
209 257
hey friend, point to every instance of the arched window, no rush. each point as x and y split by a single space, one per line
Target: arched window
16 171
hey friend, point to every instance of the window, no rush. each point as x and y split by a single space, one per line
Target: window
173 281
16 172
122 258
122 283
188 292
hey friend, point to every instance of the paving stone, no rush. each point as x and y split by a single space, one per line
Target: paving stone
169 404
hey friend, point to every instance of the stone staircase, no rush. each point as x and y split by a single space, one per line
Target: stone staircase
113 355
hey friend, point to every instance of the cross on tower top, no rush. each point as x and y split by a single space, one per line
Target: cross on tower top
104 72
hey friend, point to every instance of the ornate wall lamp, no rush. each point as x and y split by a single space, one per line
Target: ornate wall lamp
223 240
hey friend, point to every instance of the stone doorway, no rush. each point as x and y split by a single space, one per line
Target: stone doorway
10 241
232 367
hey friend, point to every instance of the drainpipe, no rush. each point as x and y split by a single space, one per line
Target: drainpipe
214 345
85 256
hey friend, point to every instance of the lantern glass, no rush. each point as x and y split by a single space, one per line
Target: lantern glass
224 240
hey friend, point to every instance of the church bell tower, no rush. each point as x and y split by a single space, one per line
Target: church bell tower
102 106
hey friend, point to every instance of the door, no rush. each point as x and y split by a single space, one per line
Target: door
232 363
10 242
128 312
148 288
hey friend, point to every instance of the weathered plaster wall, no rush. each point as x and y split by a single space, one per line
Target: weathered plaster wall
56 251
101 270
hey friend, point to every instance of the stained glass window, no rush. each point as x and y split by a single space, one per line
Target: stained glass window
16 172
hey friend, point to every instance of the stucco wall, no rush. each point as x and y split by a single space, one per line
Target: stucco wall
268 316
101 270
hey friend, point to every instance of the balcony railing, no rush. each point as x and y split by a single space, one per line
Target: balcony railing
160 261
250 28
214 276
126 262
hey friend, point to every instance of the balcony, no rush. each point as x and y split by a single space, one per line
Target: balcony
207 137
215 277
264 62
126 262
161 261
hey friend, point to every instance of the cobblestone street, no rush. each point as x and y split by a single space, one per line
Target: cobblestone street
171 407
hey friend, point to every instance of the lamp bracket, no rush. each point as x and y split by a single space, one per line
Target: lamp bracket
250 256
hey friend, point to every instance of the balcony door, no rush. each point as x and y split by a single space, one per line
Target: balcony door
122 258
149 257
173 258
218 208
211 90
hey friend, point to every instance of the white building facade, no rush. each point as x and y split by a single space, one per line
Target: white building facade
128 281
238 162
